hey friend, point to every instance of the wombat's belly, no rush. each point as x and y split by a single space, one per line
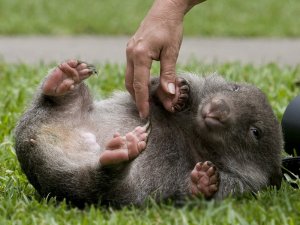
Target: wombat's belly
84 138
77 143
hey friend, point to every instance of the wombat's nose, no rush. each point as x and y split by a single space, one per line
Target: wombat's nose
215 112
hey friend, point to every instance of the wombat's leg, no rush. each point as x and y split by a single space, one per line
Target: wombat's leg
177 102
124 148
204 179
66 76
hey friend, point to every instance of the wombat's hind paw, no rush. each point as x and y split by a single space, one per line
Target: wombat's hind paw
66 76
124 148
204 179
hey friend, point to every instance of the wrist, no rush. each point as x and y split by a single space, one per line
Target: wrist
171 9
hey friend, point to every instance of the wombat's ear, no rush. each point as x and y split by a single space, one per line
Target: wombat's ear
235 87
216 78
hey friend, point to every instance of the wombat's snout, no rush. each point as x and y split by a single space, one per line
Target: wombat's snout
215 112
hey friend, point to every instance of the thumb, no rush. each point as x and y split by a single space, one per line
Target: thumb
168 75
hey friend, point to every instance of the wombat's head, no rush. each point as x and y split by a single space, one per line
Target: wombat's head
237 119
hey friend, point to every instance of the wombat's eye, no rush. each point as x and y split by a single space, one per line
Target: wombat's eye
255 132
235 87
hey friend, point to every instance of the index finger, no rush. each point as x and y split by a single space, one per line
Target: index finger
129 68
140 85
129 78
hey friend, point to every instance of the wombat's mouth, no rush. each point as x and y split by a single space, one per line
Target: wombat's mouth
211 122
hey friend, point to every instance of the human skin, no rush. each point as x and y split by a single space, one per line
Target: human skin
158 38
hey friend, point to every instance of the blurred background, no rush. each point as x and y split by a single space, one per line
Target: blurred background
256 31
222 18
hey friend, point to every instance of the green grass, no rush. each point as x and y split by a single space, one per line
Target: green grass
213 18
19 203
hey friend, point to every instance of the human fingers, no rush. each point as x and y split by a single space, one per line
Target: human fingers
129 75
140 85
137 74
167 70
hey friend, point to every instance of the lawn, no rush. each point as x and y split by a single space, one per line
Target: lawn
234 18
21 205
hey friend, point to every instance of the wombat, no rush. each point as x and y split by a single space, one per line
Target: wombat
220 138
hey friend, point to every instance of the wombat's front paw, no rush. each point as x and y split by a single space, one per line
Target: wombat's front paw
182 95
204 179
124 148
64 77
178 101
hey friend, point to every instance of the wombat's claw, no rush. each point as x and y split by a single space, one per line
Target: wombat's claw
91 67
93 70
204 179
183 94
147 127
124 148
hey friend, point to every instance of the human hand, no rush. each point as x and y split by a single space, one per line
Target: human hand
158 38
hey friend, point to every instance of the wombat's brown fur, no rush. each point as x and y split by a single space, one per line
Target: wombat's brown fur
59 141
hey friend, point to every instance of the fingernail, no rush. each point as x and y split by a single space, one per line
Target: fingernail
171 88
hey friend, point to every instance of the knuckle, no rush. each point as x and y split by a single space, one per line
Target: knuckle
168 73
129 49
168 76
138 86
129 87
139 50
